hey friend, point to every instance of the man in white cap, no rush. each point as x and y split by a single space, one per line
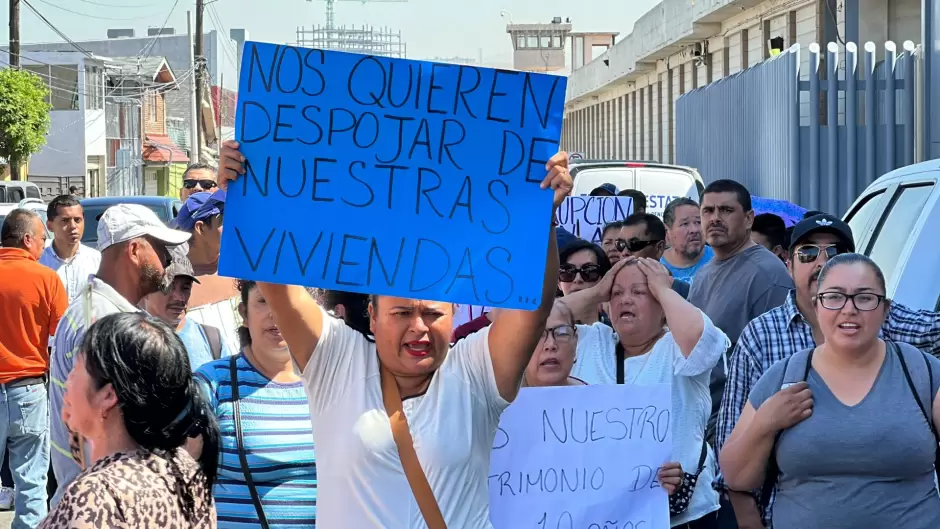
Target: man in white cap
134 246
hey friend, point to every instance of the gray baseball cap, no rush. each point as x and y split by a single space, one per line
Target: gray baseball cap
180 264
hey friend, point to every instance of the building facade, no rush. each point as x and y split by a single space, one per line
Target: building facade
75 149
621 105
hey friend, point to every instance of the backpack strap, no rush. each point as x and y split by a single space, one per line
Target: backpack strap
794 371
925 410
214 337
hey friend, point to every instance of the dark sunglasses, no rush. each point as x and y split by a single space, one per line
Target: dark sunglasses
810 252
590 272
205 184
633 245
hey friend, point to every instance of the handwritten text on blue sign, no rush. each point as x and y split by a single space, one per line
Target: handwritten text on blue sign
392 176
582 457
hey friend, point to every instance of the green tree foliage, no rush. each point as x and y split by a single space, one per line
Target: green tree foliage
24 115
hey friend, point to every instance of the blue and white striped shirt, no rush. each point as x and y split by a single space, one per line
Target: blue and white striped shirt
278 440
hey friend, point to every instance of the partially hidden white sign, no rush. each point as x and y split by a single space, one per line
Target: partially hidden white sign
582 458
585 216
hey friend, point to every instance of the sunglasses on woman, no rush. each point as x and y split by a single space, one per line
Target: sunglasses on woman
205 184
633 245
808 253
590 272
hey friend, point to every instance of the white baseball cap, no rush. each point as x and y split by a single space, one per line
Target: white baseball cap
123 222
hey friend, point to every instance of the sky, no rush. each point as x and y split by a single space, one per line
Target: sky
431 28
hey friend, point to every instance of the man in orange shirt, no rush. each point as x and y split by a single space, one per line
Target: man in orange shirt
33 300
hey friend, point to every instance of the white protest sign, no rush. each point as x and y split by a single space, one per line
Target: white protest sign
585 216
582 457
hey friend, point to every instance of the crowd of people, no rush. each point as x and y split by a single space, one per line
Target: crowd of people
802 397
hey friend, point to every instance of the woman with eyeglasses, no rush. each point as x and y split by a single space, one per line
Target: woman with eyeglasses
845 430
551 365
658 337
555 355
583 264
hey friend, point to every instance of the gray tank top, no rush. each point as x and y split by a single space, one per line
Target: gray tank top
854 467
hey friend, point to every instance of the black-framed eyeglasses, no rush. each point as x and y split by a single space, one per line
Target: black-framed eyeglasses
590 272
561 333
633 244
205 184
863 301
808 253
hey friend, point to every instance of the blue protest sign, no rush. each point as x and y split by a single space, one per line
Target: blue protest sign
392 176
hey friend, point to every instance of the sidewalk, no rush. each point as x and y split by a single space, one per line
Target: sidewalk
6 519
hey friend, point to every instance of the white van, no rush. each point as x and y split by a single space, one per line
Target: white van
895 222
661 183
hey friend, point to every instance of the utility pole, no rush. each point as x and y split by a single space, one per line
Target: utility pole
199 63
14 33
14 63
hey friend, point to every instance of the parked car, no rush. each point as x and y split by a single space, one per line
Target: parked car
166 209
895 222
14 191
661 183
29 203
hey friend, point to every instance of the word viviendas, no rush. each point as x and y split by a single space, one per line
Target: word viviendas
389 176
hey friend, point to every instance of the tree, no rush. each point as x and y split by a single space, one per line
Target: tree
24 116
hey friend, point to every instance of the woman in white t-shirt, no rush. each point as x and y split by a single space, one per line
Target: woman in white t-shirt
452 398
658 337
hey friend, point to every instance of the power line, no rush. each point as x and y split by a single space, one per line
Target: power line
145 51
79 13
56 30
117 5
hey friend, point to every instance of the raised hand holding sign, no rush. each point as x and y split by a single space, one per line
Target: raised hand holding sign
397 177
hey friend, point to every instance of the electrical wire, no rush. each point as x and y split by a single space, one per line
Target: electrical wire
117 5
230 50
79 13
145 51
56 30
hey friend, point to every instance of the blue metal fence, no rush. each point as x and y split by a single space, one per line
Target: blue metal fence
816 142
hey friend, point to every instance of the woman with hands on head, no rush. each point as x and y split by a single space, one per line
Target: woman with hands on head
360 387
658 338
846 430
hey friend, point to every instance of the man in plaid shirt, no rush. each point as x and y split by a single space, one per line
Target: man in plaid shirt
792 327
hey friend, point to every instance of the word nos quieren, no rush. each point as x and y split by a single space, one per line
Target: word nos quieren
360 264
311 125
371 82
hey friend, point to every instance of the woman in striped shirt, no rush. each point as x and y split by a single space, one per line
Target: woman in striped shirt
267 474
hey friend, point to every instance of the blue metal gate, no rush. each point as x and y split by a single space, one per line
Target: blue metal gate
816 142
